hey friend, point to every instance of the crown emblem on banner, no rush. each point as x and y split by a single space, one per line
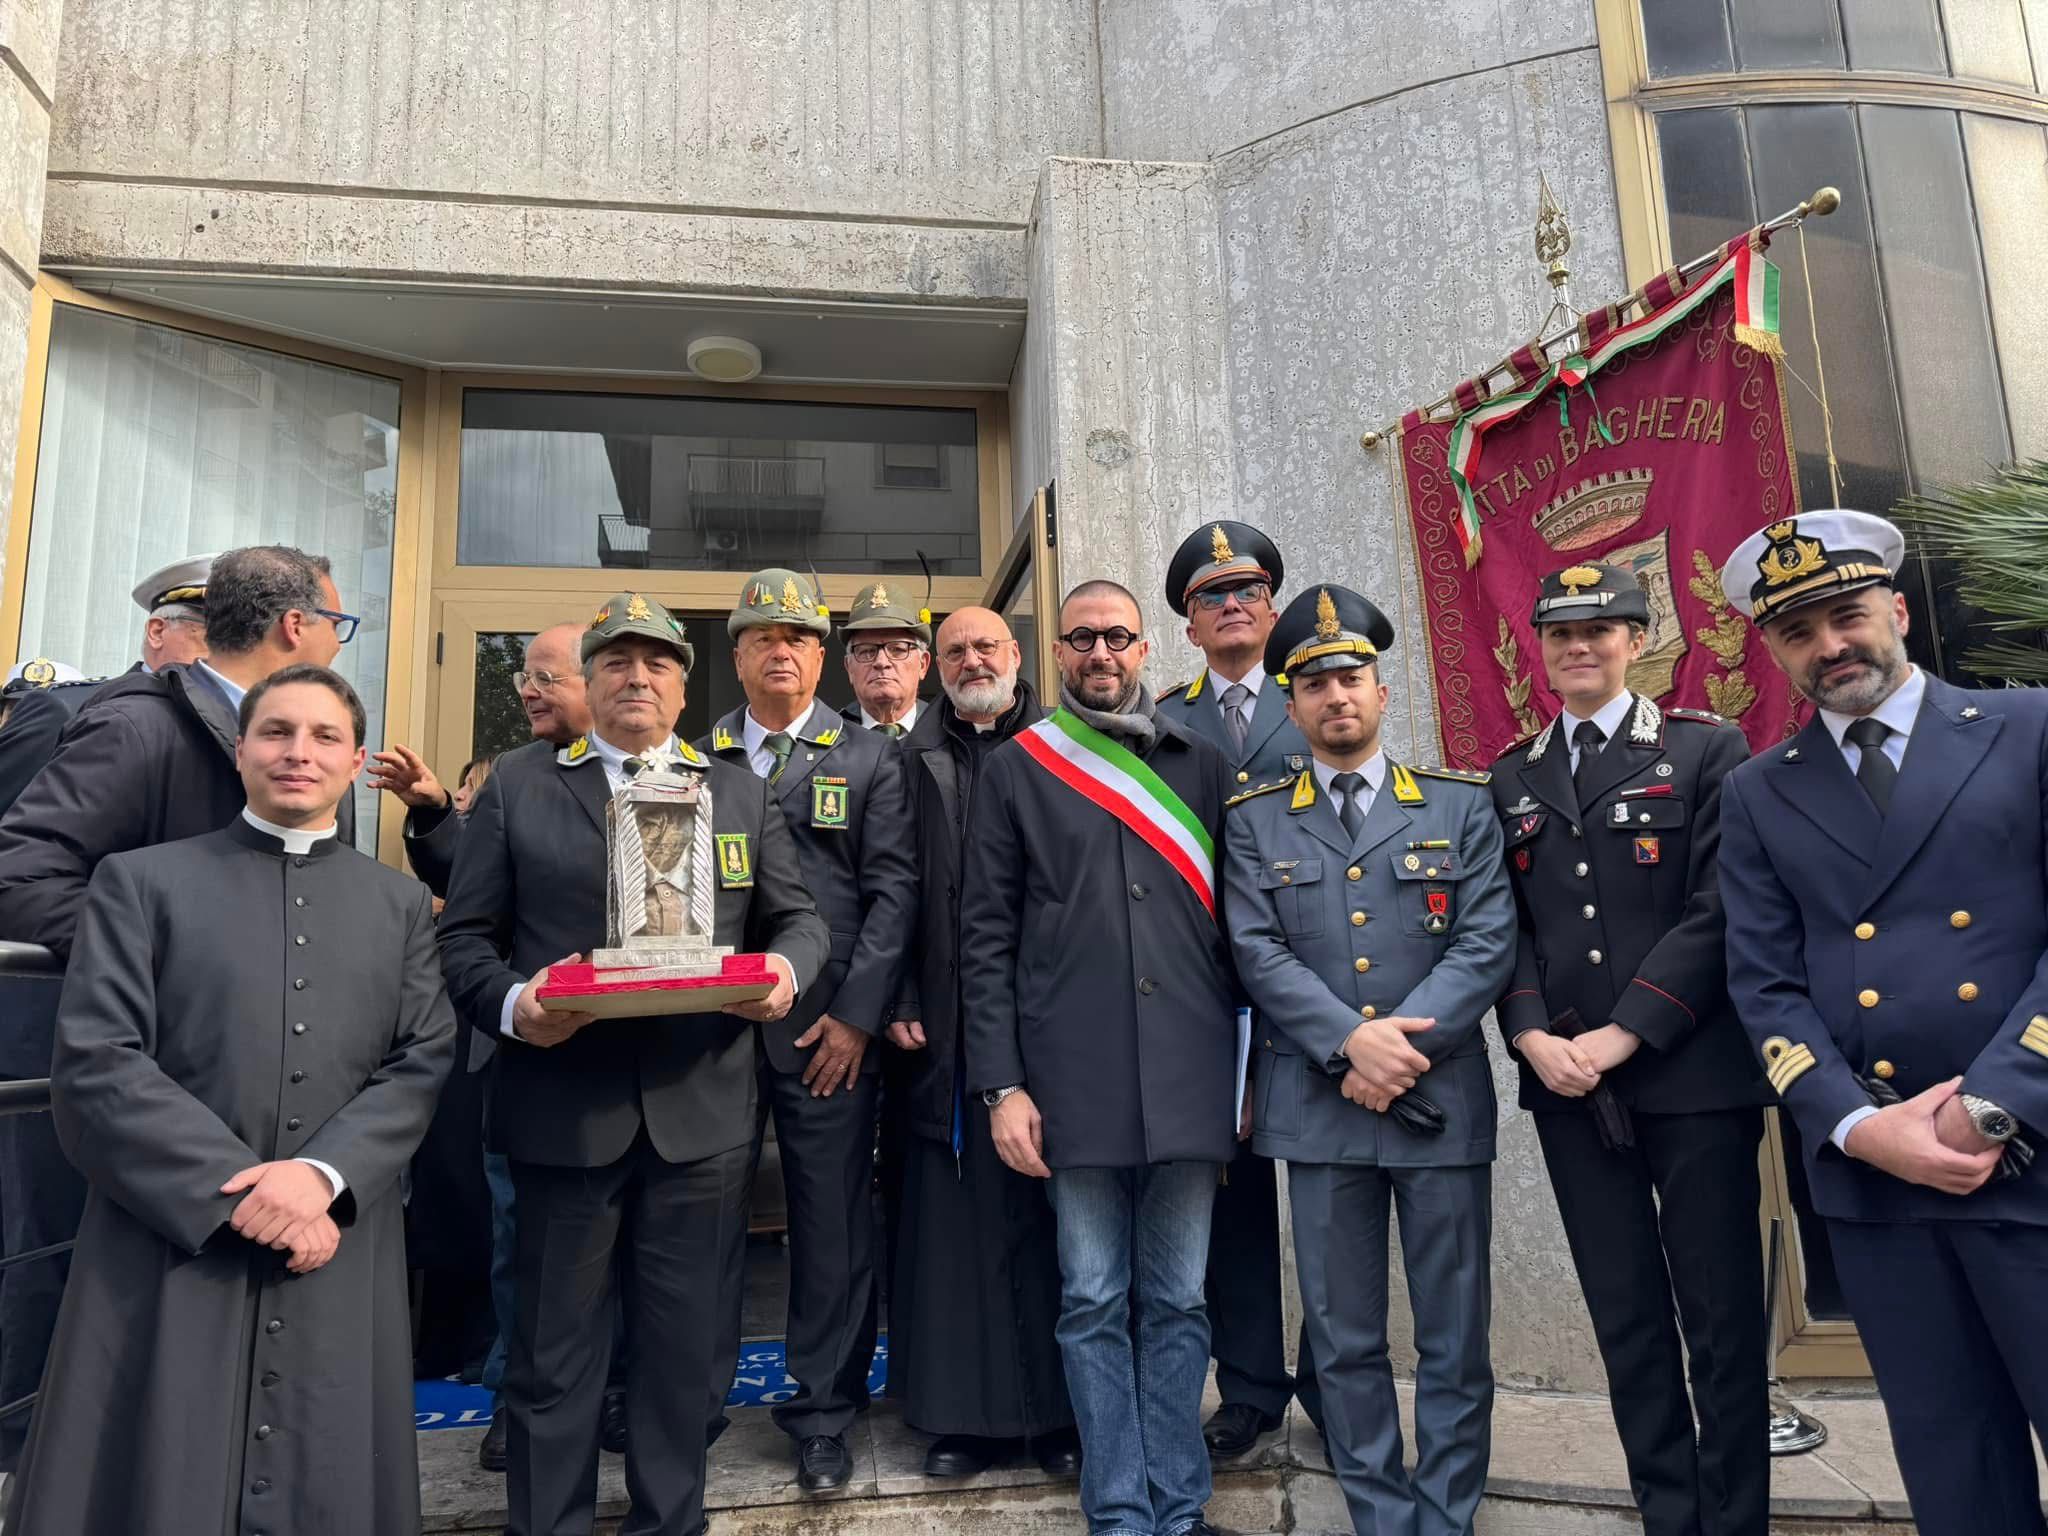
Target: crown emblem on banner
1219 545
1327 627
1594 509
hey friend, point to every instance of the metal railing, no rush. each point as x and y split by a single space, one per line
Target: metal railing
30 977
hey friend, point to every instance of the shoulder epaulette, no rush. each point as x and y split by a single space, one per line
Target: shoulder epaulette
689 754
1461 775
1192 692
1258 789
1516 745
1703 716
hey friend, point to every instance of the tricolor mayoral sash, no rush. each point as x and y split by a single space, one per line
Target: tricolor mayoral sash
1111 776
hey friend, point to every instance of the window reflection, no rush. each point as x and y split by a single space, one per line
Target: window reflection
684 483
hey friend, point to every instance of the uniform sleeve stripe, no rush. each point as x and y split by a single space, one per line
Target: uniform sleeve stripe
1674 1002
2035 1036
1790 1067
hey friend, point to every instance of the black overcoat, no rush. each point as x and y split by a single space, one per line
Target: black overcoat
1094 976
194 1386
528 889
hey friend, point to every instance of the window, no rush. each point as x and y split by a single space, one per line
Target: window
679 482
157 443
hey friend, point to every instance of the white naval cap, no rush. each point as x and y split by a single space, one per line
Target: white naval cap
180 585
42 672
1799 560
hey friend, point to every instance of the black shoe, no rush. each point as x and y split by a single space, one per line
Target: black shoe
611 1423
1235 1428
823 1463
1202 1528
960 1456
1059 1453
490 1452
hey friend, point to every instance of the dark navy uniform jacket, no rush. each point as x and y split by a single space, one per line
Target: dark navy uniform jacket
1912 947
1620 907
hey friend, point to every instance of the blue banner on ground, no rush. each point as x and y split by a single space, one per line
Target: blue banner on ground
761 1379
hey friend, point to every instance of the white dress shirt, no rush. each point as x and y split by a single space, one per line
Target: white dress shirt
1900 711
1608 717
295 840
227 685
869 722
1373 770
1253 680
754 737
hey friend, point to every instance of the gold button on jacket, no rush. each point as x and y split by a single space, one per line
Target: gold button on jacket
1867 997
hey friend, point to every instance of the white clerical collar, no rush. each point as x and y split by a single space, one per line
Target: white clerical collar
1374 769
909 719
295 839
614 758
1252 681
227 685
1900 711
1608 717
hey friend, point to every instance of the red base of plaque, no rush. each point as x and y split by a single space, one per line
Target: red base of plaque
585 989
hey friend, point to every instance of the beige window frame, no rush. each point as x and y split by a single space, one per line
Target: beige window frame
1807 1346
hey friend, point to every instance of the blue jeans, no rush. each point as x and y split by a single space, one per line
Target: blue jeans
498 1174
1136 1234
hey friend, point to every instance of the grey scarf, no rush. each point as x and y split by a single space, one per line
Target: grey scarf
1131 720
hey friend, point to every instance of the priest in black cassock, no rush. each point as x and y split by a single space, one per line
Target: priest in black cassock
972 1354
251 1040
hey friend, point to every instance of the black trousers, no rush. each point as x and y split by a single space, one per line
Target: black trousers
1675 1220
828 1171
1242 1289
43 1198
669 1237
1950 1316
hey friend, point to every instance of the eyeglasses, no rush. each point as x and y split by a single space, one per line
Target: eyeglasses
547 682
1082 638
955 654
344 624
868 652
1246 593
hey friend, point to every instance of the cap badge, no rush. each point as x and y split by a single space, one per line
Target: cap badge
880 597
1327 627
1219 545
637 610
1789 557
1578 578
759 596
792 600
42 672
601 615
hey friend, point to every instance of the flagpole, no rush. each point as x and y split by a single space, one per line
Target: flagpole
1820 204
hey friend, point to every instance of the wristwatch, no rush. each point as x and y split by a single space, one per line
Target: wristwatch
994 1096
1993 1123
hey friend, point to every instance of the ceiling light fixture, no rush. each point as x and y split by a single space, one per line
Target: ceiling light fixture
724 359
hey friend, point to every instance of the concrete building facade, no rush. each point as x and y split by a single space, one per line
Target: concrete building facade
288 270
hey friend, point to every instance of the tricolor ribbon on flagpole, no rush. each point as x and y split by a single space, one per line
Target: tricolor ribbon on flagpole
1756 326
1114 778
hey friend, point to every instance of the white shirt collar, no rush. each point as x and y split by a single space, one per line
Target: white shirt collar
1899 711
1374 769
295 839
869 722
1253 680
227 685
614 758
1608 718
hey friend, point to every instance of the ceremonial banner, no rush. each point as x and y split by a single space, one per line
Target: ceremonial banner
1657 445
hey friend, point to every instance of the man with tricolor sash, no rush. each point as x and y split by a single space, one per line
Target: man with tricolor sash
1100 1009
1373 927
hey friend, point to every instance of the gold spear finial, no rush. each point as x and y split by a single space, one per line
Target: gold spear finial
1553 233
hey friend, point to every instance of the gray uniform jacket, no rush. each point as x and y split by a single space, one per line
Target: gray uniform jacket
1328 929
1273 745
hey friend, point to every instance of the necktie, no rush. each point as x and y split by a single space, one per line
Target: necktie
1237 713
1351 786
634 767
781 743
893 730
1587 737
1874 771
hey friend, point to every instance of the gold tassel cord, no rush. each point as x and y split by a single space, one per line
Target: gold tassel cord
1827 416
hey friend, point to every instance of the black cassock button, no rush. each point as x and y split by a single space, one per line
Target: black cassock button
275 1325
298 1077
261 1485
271 1378
298 863
301 939
1147 985
298 1029
299 985
294 1123
262 1431
298 901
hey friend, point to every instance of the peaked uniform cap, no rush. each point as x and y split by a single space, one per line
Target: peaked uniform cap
1590 591
1221 551
181 584
1815 555
779 596
634 613
1326 627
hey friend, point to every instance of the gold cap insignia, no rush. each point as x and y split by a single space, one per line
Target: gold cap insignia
1219 545
792 600
1789 556
637 610
879 598
1327 627
1578 578
602 614
42 672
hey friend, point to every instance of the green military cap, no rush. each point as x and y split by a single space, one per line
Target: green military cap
630 613
777 596
877 606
